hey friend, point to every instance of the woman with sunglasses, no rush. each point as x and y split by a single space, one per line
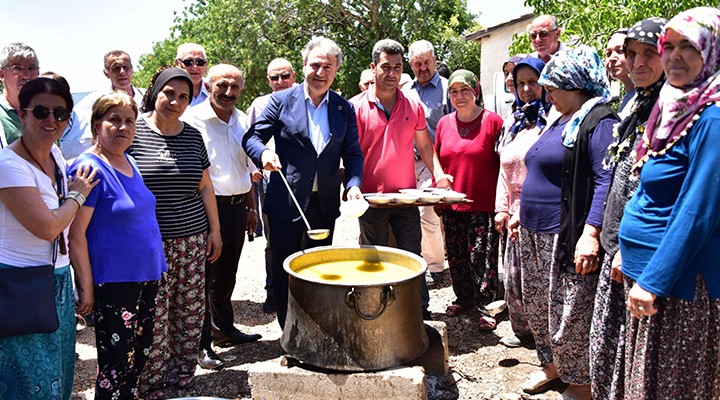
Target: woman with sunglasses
37 204
124 272
174 163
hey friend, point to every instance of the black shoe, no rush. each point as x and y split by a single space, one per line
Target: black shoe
427 316
269 305
208 359
224 340
437 276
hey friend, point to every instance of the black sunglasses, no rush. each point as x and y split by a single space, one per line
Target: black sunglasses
42 112
275 78
189 62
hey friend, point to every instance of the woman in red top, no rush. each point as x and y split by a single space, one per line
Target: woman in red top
465 143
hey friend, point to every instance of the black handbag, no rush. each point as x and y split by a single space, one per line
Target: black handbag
27 300
27 294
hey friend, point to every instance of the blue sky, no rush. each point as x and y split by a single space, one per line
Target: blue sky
71 36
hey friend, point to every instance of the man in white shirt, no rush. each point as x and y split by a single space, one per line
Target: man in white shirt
223 127
117 67
191 57
280 76
544 35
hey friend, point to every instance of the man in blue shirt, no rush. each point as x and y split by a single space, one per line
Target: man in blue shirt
432 90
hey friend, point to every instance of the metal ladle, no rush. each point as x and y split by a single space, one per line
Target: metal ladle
314 234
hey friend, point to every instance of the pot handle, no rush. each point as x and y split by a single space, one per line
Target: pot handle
386 298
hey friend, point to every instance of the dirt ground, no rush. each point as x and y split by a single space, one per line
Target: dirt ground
481 367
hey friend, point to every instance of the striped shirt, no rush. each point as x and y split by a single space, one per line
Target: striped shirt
172 167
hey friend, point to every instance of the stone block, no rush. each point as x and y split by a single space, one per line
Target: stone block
270 380
435 359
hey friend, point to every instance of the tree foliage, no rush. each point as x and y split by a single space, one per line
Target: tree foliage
591 21
250 33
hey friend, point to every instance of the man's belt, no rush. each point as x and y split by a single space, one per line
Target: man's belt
233 200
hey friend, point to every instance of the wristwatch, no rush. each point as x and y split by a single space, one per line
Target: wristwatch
77 196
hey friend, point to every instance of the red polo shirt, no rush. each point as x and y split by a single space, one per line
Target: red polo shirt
388 145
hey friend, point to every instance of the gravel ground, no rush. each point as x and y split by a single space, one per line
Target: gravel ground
481 367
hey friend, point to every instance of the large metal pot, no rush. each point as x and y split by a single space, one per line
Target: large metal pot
349 326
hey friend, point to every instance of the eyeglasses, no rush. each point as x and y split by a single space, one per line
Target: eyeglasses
541 34
116 69
42 112
19 69
189 62
275 78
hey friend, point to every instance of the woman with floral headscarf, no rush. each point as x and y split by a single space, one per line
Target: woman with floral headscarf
528 121
670 232
465 144
560 216
607 332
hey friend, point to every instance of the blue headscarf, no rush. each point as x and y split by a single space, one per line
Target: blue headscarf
577 69
535 111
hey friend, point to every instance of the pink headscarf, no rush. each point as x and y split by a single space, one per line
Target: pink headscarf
671 117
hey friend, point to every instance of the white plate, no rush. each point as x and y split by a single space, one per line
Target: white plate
401 198
429 198
453 197
378 199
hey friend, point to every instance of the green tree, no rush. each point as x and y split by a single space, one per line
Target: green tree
250 33
591 21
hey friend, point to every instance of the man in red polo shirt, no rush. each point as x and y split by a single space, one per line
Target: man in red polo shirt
388 125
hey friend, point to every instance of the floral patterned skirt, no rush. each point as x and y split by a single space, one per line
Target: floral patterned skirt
472 250
674 354
41 366
607 337
179 312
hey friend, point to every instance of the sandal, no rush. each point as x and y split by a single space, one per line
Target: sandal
456 309
186 383
539 382
486 323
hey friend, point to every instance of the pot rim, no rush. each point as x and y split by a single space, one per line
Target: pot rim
405 253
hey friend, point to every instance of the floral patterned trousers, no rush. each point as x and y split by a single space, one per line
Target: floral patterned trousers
472 250
124 316
180 307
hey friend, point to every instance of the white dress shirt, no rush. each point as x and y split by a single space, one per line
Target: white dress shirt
230 167
78 135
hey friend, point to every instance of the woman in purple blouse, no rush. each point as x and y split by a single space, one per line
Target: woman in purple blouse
561 206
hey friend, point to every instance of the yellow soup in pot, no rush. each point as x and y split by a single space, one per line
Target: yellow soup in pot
356 272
